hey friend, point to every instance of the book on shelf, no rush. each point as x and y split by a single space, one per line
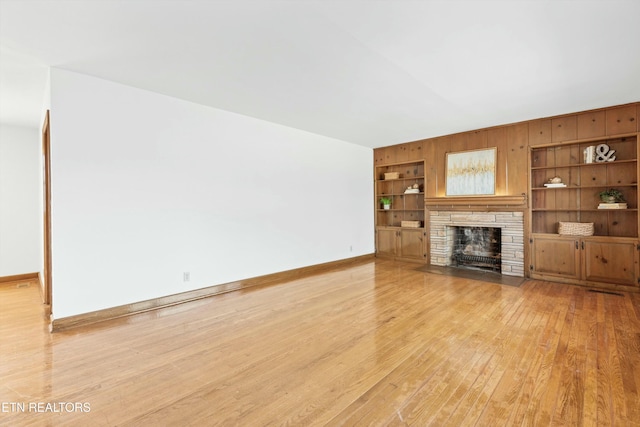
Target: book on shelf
612 206
555 185
590 154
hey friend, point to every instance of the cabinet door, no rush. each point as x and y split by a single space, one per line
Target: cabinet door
386 241
611 262
379 155
556 256
591 124
412 243
415 151
564 128
621 119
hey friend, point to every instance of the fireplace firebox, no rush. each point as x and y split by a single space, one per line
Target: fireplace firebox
477 247
442 225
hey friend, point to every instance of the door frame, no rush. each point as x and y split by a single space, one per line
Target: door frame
46 190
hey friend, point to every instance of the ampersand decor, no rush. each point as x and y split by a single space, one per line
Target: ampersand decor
604 153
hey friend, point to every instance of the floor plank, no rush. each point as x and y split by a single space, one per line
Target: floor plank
374 344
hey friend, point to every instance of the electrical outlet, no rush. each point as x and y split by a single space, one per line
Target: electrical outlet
186 276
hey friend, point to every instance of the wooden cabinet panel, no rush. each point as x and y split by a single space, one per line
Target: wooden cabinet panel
399 153
591 125
564 129
443 146
402 152
412 244
386 241
539 132
458 142
611 262
390 154
416 150
556 256
497 137
379 156
431 172
516 159
621 120
476 140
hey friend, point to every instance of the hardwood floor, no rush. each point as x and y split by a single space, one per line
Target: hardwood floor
374 344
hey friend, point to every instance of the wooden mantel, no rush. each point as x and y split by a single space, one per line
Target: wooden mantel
513 202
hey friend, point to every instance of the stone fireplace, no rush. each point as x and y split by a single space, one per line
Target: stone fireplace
487 240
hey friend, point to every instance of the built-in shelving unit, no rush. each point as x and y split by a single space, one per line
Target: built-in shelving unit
579 200
607 258
400 227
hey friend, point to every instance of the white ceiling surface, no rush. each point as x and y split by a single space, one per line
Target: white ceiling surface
373 73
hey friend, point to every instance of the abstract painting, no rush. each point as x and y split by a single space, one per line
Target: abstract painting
471 173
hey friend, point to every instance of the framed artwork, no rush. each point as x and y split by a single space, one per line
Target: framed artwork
471 173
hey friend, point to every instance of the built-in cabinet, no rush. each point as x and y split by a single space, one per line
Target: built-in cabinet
566 182
594 261
400 231
403 243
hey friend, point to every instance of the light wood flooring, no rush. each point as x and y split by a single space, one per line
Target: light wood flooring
373 344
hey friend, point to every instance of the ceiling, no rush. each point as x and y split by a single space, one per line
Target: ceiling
373 73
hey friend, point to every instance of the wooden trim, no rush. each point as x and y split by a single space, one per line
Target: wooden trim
584 283
595 110
585 140
47 289
511 202
18 277
84 319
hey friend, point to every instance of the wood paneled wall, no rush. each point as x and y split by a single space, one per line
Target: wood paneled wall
512 142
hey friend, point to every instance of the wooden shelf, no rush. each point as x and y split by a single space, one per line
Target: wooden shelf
587 141
586 210
580 165
400 227
583 187
401 179
400 194
400 210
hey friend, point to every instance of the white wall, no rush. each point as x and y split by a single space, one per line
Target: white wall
146 187
20 200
